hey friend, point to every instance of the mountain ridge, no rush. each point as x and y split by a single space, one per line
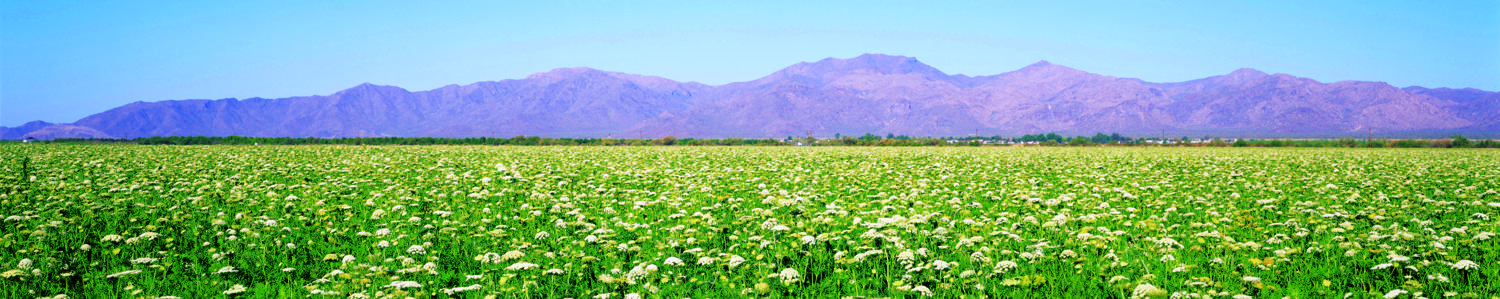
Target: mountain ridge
870 93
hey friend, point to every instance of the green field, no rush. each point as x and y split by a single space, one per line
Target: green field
130 221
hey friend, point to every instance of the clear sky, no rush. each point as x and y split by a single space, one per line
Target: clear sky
63 60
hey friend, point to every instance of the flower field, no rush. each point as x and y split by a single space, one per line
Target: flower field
129 221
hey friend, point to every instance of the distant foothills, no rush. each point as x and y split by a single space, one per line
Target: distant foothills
872 94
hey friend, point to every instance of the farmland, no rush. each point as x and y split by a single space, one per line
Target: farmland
130 221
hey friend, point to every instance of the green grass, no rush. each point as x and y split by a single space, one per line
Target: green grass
1086 223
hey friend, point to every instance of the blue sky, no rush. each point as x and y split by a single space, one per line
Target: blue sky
63 60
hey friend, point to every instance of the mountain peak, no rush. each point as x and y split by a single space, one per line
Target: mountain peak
369 88
574 70
1247 74
1045 67
878 58
1242 76
367 85
1286 77
877 63
566 72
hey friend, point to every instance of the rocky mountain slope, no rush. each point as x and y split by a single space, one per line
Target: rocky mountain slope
871 93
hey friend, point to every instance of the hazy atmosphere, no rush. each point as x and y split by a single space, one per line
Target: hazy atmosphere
63 60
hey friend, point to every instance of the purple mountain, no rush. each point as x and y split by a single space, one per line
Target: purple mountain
871 93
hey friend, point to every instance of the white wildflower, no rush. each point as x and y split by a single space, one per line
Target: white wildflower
235 289
905 256
12 273
1143 290
922 290
1465 265
978 257
521 266
789 276
452 291
1004 266
735 261
402 284
1067 254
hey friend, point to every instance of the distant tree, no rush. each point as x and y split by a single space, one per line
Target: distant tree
1459 141
846 140
1348 142
1101 138
1054 137
1442 143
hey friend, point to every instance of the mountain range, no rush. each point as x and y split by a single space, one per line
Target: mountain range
871 93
